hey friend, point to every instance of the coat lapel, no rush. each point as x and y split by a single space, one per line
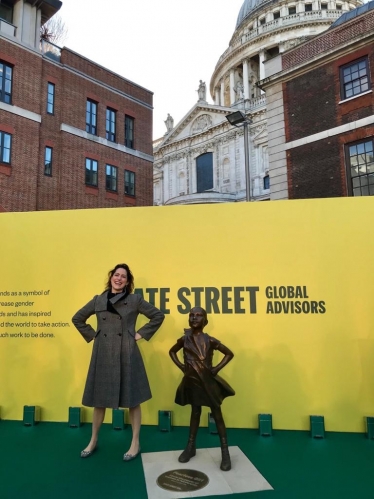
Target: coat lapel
117 298
119 302
101 302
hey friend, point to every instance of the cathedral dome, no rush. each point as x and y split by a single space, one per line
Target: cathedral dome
247 7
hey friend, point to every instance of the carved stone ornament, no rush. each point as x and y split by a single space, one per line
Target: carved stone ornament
201 123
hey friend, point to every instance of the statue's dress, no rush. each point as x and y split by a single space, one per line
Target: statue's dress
199 386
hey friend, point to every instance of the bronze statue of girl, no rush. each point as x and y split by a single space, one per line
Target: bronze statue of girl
201 386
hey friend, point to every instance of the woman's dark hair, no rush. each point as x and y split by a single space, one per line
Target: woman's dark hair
130 277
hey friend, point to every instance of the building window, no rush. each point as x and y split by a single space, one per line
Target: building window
51 98
48 161
324 6
272 52
339 6
110 124
6 11
129 131
111 178
91 117
5 147
291 11
360 162
91 172
308 7
262 21
277 14
129 183
354 78
5 82
266 182
204 172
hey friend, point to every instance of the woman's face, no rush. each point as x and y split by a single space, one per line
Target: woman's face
118 280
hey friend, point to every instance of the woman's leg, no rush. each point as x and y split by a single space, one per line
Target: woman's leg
135 414
190 450
226 462
97 419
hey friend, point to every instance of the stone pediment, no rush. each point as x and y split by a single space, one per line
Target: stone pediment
201 123
198 120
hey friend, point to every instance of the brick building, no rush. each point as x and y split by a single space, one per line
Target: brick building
72 133
321 112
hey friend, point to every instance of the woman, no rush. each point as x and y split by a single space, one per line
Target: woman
116 375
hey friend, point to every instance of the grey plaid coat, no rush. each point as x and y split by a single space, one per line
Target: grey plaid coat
116 375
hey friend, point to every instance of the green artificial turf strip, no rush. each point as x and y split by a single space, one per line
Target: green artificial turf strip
43 462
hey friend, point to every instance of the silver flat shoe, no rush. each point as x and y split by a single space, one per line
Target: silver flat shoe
130 457
87 453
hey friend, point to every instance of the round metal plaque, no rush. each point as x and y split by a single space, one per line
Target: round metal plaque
182 480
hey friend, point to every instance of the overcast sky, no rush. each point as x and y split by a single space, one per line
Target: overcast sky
166 46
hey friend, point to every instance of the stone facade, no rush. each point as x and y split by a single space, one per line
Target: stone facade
264 30
206 130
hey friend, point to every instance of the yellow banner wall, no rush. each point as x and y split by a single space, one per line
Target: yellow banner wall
289 287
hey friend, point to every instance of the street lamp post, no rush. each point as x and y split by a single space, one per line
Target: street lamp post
238 119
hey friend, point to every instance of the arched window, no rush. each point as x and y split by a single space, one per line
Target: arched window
204 172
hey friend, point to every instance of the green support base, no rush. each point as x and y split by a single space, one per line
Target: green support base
75 417
212 427
265 425
317 426
118 419
164 421
370 427
31 415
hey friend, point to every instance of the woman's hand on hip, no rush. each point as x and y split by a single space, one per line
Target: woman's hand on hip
138 337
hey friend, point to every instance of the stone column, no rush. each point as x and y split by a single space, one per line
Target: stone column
262 67
222 92
162 188
245 79
18 18
38 24
232 85
188 172
216 100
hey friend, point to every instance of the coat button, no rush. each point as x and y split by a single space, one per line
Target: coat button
105 334
119 334
104 318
